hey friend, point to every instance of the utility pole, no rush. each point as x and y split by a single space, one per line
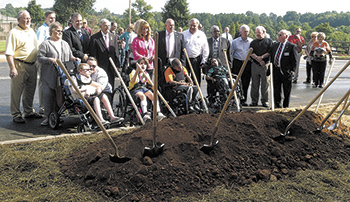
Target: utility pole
129 12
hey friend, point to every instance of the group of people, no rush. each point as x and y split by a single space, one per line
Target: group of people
28 52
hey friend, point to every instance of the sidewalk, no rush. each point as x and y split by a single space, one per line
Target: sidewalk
3 58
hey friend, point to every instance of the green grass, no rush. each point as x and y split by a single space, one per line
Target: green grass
2 46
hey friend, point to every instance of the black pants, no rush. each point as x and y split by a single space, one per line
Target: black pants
308 71
195 62
318 70
247 73
281 82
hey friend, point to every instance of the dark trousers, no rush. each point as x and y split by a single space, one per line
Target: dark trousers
308 71
195 62
318 70
281 82
247 74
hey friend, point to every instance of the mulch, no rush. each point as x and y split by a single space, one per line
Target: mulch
248 152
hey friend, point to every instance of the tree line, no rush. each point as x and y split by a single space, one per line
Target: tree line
335 25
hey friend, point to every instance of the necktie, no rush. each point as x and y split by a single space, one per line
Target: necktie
216 48
80 35
106 42
277 58
226 35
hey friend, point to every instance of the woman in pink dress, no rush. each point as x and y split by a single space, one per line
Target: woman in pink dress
143 45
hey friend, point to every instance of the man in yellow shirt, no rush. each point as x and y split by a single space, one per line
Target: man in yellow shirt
21 52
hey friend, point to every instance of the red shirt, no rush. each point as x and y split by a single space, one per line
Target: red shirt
294 39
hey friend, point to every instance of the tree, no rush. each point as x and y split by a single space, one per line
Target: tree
140 10
36 13
325 28
65 8
178 11
9 11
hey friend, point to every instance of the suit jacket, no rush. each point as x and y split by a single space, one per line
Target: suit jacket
48 70
224 44
78 47
288 59
179 47
99 50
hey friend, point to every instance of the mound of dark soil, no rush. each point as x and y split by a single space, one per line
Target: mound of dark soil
247 152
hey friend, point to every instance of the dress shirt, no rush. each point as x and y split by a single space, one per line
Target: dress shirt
240 48
279 59
170 43
106 40
196 44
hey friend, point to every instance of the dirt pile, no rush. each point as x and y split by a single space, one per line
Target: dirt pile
246 153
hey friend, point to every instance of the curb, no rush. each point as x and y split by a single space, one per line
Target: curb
50 137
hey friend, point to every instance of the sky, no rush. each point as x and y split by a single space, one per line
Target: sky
206 6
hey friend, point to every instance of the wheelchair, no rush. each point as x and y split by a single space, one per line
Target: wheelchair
67 106
218 94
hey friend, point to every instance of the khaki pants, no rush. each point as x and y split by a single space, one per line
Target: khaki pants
23 86
259 80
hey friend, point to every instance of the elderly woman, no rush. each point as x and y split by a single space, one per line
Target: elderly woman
319 50
308 57
51 49
143 45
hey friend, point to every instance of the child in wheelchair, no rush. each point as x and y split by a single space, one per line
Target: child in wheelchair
138 86
217 78
92 92
177 77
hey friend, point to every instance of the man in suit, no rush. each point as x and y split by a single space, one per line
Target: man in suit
103 45
284 56
77 38
171 44
216 46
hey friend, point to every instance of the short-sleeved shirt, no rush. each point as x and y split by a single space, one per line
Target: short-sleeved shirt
141 78
22 44
261 46
170 75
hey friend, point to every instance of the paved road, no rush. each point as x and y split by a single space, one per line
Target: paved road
302 94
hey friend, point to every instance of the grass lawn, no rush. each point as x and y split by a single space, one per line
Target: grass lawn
2 46
30 172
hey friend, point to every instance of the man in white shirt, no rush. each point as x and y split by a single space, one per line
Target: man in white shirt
197 48
42 34
227 35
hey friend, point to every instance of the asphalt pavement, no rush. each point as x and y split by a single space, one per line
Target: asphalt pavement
301 95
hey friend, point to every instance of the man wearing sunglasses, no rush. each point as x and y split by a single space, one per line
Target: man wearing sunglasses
284 57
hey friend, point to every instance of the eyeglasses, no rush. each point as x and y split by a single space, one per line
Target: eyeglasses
313 36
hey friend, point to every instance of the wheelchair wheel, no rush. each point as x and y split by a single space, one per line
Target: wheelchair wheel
54 120
119 102
81 128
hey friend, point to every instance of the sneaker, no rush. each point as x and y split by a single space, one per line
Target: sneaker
105 122
18 120
42 111
146 117
44 123
160 116
117 120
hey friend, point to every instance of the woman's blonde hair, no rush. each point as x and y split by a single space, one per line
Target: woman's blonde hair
143 24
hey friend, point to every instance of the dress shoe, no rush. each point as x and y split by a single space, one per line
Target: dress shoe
295 81
306 82
320 86
253 104
265 105
18 120
244 104
33 115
